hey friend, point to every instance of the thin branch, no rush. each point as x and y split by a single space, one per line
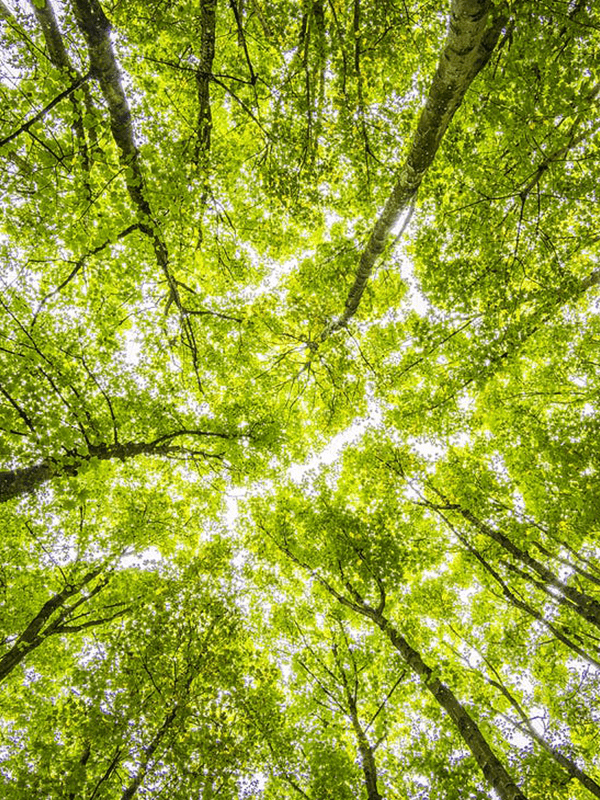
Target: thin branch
385 700
107 773
17 408
242 39
41 114
79 265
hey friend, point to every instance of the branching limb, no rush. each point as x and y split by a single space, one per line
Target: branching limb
42 625
57 52
559 153
242 38
114 762
490 765
512 598
78 266
525 726
26 480
95 27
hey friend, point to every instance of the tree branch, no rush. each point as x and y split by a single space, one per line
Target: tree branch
25 480
36 631
41 114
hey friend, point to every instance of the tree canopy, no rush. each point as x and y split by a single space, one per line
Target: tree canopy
299 383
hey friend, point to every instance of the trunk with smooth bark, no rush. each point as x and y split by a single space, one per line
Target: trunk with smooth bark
489 763
96 28
584 605
491 766
469 44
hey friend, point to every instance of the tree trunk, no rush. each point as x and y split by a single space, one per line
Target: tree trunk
582 604
468 47
490 765
367 757
25 480
95 27
208 10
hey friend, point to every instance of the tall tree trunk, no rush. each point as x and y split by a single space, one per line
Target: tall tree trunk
490 765
208 9
367 757
96 28
468 47
366 750
57 52
584 605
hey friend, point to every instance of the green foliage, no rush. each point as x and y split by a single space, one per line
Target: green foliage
245 549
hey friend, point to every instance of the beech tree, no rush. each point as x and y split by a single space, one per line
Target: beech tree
298 399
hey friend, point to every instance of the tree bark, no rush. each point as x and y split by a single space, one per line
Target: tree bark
208 9
95 27
37 631
25 480
584 605
468 47
57 52
366 750
44 13
491 766
367 756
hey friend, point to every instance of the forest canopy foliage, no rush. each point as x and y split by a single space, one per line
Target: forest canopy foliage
299 376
